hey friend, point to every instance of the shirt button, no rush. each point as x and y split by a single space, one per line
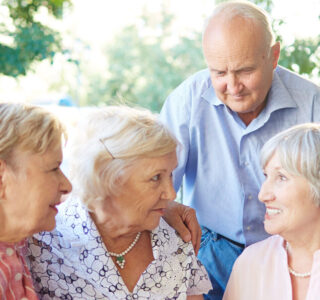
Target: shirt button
248 228
246 163
18 276
250 197
9 251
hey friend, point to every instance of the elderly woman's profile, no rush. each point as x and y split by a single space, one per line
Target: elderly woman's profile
31 186
286 265
111 241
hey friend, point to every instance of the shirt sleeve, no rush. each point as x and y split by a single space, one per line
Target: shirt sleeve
199 282
175 115
316 107
195 275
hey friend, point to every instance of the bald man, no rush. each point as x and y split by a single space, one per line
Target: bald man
222 116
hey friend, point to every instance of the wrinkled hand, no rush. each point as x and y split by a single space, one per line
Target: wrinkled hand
184 220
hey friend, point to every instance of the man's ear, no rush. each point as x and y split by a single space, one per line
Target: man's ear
275 51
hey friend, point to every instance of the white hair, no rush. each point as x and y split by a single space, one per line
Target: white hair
298 149
108 143
27 128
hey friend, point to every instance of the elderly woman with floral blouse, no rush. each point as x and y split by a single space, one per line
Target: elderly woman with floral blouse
31 186
110 241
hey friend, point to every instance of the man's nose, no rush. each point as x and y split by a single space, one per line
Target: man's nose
234 85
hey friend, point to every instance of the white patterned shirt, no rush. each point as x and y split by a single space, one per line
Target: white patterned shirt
72 262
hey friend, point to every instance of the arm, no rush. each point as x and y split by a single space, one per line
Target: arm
195 297
183 219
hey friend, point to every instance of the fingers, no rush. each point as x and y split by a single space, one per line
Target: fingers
190 220
184 220
174 217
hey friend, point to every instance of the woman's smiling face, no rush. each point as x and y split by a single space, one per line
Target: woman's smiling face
290 207
33 187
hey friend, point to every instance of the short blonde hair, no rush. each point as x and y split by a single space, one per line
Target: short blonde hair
107 143
27 128
298 149
246 10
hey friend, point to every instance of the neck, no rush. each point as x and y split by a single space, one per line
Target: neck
248 117
9 233
305 240
114 237
300 257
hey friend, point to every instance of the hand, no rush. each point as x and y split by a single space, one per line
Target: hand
184 220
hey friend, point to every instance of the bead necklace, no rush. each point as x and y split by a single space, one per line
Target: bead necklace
293 272
120 256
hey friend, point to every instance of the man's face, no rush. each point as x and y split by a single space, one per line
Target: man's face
241 65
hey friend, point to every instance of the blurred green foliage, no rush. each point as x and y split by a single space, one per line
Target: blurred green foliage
30 40
144 69
146 63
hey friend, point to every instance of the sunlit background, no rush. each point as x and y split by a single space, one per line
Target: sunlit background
104 62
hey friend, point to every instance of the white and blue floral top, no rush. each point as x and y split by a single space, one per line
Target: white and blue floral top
72 262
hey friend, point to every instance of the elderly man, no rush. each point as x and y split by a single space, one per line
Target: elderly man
222 116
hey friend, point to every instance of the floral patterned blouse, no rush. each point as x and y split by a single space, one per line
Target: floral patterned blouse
72 262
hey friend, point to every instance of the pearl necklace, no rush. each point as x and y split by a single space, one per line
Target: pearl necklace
120 256
293 272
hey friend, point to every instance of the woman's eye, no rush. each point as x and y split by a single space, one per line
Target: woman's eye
156 177
282 177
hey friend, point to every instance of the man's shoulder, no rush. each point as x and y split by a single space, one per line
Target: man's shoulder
293 80
199 81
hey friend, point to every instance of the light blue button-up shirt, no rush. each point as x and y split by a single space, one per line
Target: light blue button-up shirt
219 157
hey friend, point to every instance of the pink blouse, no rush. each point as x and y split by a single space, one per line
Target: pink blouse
261 273
15 278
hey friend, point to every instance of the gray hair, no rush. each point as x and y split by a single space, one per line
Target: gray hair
298 149
246 10
107 143
27 128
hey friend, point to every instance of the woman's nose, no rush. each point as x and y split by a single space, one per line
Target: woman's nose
170 193
266 193
66 185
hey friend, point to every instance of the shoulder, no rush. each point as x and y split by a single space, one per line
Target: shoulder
260 252
197 80
193 87
185 99
165 231
295 81
70 234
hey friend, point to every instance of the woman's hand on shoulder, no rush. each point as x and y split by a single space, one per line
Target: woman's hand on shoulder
195 297
184 220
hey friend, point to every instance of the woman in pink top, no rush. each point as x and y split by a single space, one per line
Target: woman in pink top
286 265
31 185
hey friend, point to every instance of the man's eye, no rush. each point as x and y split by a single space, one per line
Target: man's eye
156 177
